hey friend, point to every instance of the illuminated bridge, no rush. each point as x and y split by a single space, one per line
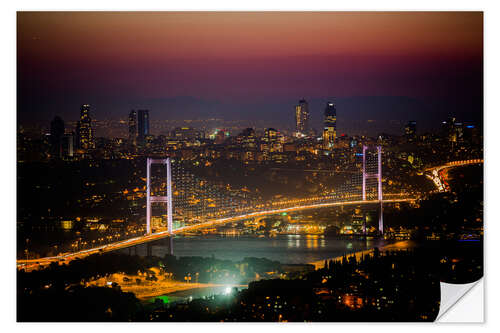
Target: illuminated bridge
192 203
34 263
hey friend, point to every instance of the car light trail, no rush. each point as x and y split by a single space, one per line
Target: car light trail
34 263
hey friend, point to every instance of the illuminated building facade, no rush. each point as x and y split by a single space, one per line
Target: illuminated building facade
302 118
186 133
84 129
411 131
272 141
330 126
247 138
142 126
132 127
453 130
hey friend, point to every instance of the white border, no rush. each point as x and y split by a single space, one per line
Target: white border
465 303
8 132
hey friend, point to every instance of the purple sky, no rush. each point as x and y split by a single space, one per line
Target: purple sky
400 65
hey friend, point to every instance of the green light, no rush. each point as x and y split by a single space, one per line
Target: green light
164 299
284 214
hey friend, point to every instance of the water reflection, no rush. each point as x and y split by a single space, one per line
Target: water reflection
293 249
293 241
315 241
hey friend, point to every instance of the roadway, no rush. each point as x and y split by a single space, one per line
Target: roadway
438 174
67 257
434 173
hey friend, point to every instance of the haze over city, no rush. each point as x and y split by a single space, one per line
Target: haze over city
243 65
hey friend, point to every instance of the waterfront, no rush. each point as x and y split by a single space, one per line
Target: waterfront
287 249
194 293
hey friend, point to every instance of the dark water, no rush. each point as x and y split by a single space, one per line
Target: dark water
289 249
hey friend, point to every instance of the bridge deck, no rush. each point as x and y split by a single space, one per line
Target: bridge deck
35 263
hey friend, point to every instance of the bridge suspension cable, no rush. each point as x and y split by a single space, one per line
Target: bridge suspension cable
192 199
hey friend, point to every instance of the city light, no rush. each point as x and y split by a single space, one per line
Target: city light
200 180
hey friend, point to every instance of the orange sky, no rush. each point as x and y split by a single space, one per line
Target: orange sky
252 34
118 59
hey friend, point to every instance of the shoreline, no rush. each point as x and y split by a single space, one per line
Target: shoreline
399 245
148 298
405 244
159 291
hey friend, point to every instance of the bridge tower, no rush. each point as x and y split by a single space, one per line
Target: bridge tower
167 198
378 176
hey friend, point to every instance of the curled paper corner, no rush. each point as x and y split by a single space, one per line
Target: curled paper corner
461 303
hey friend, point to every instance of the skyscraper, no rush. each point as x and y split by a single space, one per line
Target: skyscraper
85 137
330 126
56 134
67 141
272 141
302 118
453 130
142 126
132 127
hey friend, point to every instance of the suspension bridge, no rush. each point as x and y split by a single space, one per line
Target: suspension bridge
188 203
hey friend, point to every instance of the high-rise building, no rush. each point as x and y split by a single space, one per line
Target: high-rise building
67 145
329 126
411 131
272 141
302 118
453 130
132 127
447 129
56 134
459 131
471 134
142 126
85 137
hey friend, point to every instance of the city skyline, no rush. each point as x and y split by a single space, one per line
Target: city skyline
396 65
